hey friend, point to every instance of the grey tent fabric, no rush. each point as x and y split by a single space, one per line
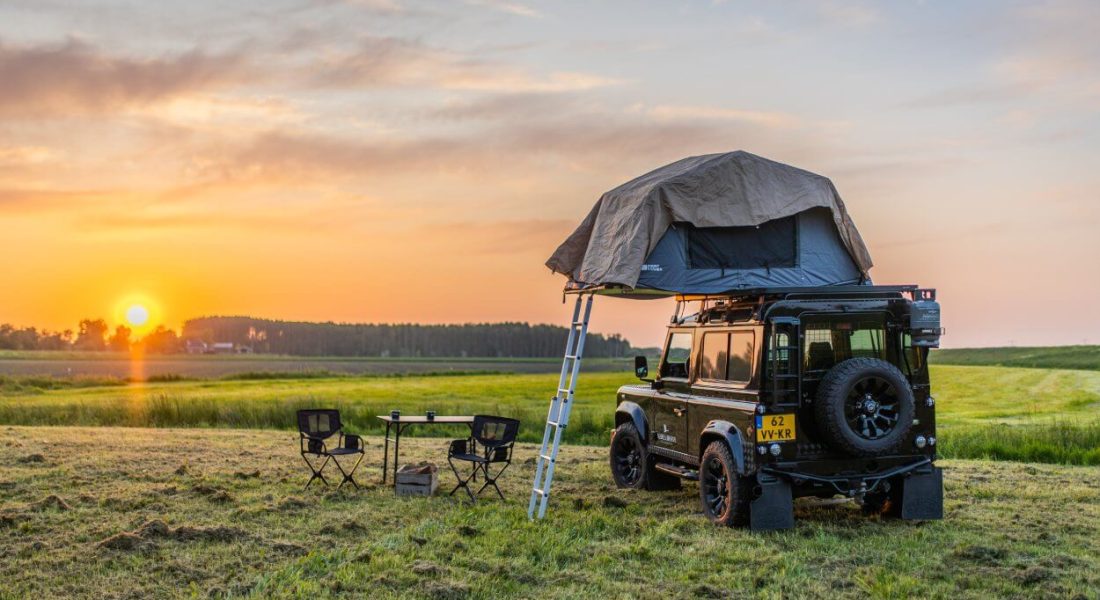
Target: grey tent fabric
680 205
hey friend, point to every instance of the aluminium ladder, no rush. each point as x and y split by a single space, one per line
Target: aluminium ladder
560 406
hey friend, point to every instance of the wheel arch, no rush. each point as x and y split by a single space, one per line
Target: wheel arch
726 432
628 411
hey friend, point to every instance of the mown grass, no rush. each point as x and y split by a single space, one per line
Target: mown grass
1038 357
222 514
984 412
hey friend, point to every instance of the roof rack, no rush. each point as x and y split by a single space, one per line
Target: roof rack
746 293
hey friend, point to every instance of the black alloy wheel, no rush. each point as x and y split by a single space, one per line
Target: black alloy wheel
628 458
872 408
864 407
723 493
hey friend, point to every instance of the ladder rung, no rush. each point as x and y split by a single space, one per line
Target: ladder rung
546 457
555 424
575 323
571 357
539 492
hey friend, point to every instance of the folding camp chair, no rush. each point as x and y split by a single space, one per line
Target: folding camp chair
314 427
496 436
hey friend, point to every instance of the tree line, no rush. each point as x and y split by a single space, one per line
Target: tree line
91 335
319 339
404 339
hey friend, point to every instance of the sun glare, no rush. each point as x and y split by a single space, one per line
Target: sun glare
137 315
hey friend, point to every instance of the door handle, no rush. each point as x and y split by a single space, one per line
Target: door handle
679 411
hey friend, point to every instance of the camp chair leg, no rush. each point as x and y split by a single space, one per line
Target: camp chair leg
318 473
492 480
464 482
348 475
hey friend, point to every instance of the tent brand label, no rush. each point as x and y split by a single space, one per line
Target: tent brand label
652 268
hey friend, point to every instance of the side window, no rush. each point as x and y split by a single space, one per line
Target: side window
677 355
715 355
741 346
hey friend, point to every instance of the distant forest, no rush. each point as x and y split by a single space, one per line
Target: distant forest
404 340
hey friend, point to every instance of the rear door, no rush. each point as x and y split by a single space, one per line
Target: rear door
669 417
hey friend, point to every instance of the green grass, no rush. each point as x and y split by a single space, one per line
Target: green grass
1041 415
1041 357
217 514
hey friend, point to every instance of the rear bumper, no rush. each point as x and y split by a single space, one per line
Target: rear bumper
847 483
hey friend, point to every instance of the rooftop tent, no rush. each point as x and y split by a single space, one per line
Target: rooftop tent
716 223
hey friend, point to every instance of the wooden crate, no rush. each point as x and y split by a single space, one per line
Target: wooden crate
417 480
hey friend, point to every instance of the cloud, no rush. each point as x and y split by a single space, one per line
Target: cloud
848 14
713 113
512 8
380 62
26 155
76 78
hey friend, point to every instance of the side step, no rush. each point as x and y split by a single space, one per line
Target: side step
680 472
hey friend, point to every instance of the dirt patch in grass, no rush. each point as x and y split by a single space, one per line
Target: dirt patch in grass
445 590
31 459
52 501
157 530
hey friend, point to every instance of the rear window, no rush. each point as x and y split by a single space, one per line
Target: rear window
831 342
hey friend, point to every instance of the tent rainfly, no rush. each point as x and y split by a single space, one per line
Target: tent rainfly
714 224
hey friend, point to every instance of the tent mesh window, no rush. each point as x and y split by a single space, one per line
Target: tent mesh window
772 245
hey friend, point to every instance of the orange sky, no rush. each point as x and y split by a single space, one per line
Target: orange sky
403 161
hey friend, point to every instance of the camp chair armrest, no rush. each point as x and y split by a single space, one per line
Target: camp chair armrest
311 445
351 441
460 447
499 453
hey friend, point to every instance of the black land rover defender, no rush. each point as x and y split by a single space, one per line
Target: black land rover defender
768 395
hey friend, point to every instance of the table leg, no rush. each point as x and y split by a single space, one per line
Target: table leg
396 450
386 454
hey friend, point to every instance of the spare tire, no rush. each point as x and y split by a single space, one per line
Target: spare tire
864 407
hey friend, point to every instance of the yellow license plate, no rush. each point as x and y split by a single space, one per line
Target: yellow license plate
775 428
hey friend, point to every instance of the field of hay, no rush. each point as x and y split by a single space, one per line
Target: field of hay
141 513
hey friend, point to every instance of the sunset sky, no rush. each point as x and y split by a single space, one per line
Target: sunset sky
383 160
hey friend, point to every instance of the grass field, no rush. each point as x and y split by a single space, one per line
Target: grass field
1039 357
120 367
1037 415
139 513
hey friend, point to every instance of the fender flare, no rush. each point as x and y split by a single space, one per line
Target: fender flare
635 413
728 432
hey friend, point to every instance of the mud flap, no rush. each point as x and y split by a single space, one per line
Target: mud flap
922 496
774 508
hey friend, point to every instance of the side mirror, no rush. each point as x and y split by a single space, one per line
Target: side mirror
641 367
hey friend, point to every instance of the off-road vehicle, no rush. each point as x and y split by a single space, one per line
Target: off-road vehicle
773 394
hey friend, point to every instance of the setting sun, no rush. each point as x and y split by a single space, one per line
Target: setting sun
137 315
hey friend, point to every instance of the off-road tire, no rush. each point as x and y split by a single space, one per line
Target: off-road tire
837 392
628 472
648 477
733 510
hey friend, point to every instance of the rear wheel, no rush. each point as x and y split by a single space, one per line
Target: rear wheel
724 494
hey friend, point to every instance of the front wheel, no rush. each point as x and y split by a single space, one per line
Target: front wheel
628 457
725 495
